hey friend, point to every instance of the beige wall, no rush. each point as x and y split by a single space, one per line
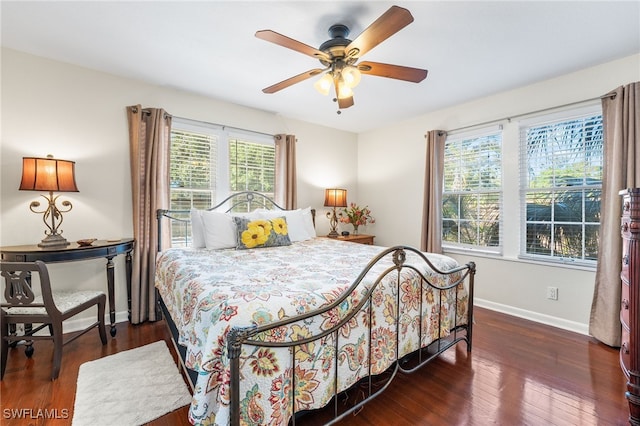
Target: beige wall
78 114
74 113
390 180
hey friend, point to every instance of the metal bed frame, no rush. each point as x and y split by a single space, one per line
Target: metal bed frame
371 385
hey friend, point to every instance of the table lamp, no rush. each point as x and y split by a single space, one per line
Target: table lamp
53 175
334 197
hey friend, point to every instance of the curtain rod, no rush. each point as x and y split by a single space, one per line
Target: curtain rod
611 95
224 127
147 111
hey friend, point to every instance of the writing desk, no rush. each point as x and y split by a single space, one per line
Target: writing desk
74 252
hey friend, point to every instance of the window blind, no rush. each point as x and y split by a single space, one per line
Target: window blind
252 167
208 163
192 169
561 182
472 190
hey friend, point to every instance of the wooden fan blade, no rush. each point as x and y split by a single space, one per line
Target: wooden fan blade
291 81
389 23
345 102
398 72
292 44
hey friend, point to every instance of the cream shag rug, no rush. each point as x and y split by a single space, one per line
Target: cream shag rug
129 388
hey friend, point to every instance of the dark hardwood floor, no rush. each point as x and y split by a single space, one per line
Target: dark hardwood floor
518 373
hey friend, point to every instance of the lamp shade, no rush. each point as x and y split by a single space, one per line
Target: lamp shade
48 174
335 197
351 76
324 84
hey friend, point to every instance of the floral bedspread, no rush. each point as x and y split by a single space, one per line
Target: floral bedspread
209 291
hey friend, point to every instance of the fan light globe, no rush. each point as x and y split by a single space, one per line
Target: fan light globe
323 85
344 91
351 76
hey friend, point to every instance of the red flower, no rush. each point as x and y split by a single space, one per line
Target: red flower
356 215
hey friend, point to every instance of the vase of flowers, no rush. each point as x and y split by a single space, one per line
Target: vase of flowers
356 216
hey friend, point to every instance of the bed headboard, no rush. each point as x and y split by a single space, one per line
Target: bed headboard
244 201
247 201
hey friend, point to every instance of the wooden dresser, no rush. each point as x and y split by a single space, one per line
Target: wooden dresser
630 304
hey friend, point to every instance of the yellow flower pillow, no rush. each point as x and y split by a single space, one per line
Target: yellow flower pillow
256 233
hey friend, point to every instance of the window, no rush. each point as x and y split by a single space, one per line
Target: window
209 163
252 166
192 169
472 192
561 182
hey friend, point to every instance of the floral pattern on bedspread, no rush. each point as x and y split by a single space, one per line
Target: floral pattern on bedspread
209 291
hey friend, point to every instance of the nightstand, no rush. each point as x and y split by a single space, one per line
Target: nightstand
360 239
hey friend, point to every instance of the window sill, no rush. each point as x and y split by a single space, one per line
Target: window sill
474 251
501 257
559 263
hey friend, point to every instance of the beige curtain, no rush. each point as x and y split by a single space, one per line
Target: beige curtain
149 135
620 113
431 240
286 190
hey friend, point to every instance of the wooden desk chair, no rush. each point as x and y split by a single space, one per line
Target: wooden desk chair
21 305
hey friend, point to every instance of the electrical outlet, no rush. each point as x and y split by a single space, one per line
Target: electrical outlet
552 293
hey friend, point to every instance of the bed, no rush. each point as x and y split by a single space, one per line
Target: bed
271 333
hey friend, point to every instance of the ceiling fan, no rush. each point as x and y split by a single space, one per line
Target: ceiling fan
339 56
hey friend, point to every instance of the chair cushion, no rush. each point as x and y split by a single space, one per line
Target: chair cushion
64 301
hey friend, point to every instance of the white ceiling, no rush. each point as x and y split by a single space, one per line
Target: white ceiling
471 49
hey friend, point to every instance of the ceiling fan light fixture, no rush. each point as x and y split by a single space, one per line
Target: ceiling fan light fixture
339 56
324 83
344 91
351 76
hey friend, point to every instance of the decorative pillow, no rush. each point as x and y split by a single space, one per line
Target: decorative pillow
256 233
219 230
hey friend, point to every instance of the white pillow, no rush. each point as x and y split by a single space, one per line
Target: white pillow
197 229
296 222
295 225
308 223
219 230
249 215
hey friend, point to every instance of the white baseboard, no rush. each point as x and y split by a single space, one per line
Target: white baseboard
78 324
562 323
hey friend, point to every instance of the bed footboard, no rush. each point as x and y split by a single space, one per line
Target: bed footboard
445 297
